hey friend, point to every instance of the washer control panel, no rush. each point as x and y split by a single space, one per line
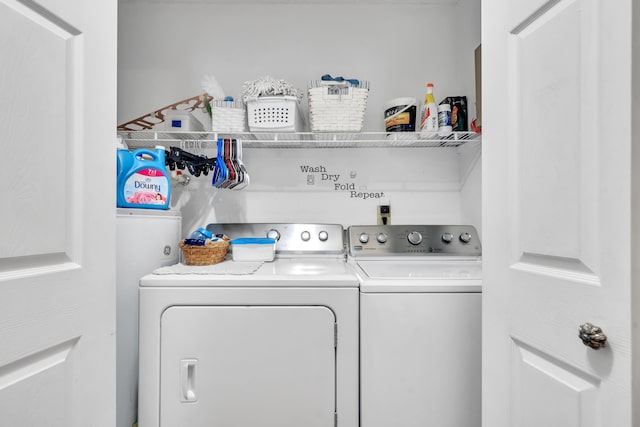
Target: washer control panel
408 240
291 238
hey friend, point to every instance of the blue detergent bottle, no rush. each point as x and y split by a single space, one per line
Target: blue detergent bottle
143 180
124 161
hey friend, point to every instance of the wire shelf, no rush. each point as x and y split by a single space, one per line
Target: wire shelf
150 138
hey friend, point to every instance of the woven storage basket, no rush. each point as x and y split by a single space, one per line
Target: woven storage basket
337 106
210 253
274 114
228 116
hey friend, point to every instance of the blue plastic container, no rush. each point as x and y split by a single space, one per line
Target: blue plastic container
143 180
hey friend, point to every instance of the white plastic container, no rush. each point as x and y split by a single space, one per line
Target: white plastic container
400 115
444 120
182 120
253 249
274 114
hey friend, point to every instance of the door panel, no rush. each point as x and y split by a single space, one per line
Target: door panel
557 217
570 398
39 137
37 381
57 268
522 10
555 169
242 366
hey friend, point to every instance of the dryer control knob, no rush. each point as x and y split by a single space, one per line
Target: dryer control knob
415 238
305 236
447 237
465 237
323 236
364 238
273 234
381 238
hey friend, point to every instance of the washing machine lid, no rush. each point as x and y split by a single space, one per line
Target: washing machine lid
422 275
416 269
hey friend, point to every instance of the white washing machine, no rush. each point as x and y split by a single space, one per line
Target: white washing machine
146 239
274 348
420 324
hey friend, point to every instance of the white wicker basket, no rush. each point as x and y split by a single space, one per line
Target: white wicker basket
337 106
228 116
274 114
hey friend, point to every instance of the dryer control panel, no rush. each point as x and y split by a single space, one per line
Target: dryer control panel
291 238
410 240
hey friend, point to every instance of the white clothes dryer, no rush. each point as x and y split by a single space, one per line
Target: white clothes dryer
274 348
420 324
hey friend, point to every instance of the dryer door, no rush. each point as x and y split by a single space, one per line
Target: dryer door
228 366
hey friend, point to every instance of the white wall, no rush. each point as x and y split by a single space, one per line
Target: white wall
422 186
165 50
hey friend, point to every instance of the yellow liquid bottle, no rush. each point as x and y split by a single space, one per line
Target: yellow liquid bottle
429 113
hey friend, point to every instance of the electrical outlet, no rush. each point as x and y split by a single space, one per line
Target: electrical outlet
384 214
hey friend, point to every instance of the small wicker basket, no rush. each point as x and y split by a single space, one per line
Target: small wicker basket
337 106
211 253
228 116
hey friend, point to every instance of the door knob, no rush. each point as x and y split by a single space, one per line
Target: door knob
592 336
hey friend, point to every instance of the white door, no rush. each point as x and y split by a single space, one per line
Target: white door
57 221
268 366
557 212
